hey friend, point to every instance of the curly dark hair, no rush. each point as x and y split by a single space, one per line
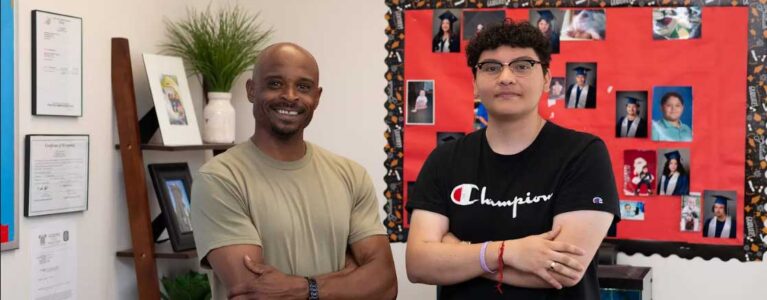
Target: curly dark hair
512 34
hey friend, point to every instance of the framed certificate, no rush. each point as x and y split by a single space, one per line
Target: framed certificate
57 63
56 170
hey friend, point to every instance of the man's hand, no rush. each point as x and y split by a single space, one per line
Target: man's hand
539 255
271 284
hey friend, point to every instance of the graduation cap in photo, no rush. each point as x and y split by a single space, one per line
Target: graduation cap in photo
673 155
582 71
632 100
449 16
546 15
722 200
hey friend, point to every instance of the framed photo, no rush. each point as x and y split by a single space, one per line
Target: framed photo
475 21
56 171
173 184
172 100
57 64
631 114
9 222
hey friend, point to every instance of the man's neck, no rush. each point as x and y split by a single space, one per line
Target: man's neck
631 117
508 137
722 218
676 123
284 149
581 85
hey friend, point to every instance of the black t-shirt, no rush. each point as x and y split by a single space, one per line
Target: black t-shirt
492 197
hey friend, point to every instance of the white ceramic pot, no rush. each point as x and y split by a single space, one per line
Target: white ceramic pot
219 119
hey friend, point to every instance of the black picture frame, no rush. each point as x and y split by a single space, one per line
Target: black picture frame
54 190
37 109
173 185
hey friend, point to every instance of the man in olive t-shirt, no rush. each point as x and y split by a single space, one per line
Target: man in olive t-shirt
275 216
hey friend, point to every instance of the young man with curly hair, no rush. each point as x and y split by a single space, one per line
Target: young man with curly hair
516 210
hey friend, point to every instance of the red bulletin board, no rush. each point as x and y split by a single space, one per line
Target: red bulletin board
627 60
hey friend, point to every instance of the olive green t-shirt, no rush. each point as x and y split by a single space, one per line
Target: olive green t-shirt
302 213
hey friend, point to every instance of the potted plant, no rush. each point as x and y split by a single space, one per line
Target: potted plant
218 47
190 286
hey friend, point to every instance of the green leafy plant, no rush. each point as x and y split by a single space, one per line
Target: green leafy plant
218 46
190 286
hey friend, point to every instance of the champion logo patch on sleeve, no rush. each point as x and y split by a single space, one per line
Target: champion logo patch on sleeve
597 200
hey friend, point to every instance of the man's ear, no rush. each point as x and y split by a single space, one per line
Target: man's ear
250 90
319 96
476 90
547 81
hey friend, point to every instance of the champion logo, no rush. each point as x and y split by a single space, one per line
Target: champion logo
598 200
461 195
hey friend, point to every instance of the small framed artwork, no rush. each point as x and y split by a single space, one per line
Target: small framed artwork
57 64
420 102
581 89
172 100
583 25
56 174
173 184
676 23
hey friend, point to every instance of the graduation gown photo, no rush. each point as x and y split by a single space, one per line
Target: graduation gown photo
639 132
590 97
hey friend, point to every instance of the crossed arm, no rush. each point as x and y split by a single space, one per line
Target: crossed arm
433 256
369 270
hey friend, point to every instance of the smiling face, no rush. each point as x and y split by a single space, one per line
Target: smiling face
673 165
284 90
543 25
445 26
673 109
631 109
506 95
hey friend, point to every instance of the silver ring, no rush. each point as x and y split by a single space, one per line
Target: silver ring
552 265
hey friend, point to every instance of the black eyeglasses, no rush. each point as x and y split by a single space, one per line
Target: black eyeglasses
520 67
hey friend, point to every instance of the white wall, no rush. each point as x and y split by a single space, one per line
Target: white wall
349 121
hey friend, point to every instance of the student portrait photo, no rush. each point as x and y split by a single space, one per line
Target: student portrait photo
674 172
557 89
631 114
181 207
672 114
581 85
720 214
632 210
548 21
446 26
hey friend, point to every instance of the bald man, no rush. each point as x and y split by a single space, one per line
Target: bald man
277 217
